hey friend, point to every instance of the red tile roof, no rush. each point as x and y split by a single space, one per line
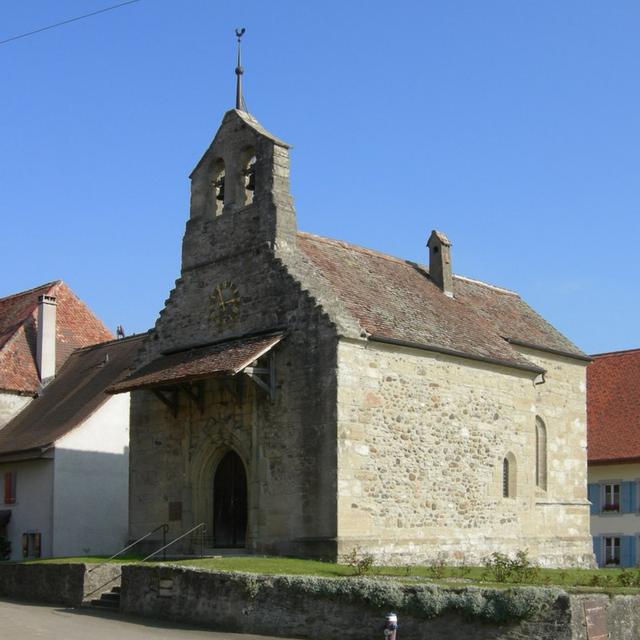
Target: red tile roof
220 359
613 407
76 326
395 299
76 392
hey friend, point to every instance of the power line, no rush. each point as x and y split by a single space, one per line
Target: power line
59 24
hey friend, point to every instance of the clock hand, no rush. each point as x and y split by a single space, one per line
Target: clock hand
220 296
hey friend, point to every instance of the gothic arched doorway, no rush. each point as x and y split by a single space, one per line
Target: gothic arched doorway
230 502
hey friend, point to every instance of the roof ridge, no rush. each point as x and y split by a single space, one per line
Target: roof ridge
356 247
386 256
608 354
495 287
47 285
133 336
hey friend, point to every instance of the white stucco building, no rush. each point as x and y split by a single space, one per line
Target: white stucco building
613 401
64 442
64 461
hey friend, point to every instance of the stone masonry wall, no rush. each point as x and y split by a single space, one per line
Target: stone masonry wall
325 609
422 438
53 583
288 446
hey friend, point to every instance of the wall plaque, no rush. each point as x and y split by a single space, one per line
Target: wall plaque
596 617
175 511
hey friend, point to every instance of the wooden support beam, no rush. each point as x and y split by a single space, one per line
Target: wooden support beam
264 377
196 392
169 397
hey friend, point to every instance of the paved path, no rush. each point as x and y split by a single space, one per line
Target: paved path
20 621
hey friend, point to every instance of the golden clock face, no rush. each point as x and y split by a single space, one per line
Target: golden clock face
225 303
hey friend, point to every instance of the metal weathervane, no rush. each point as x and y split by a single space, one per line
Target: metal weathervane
240 103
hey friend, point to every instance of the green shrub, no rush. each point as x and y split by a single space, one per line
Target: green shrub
628 578
361 563
436 568
500 568
421 601
5 549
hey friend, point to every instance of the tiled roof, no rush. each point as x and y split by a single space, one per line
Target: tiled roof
613 407
220 359
395 299
74 394
75 323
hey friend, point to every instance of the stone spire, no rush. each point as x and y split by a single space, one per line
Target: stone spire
240 105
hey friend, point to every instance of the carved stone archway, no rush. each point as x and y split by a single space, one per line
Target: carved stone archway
203 468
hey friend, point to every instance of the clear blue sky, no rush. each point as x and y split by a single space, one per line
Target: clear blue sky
513 126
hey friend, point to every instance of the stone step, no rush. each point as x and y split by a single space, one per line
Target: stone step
209 552
106 604
109 600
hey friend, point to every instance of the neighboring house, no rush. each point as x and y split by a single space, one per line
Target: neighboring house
613 409
63 441
29 357
64 460
306 396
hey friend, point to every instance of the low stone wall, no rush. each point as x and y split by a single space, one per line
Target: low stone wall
64 584
51 583
352 609
325 609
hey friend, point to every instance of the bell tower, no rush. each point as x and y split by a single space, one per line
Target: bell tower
240 192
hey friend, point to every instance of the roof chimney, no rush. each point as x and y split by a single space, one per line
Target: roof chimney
440 262
46 345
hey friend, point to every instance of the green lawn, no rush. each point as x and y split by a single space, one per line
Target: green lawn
608 580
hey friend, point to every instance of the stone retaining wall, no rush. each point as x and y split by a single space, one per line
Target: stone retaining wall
63 584
286 606
51 583
325 609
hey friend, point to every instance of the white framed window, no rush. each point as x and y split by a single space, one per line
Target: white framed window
611 498
611 551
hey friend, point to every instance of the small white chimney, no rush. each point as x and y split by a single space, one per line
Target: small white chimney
46 346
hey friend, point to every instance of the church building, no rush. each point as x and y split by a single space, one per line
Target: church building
305 396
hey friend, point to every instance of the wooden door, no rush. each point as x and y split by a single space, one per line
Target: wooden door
230 502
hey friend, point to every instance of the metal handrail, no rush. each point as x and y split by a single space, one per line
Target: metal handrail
164 526
163 548
184 535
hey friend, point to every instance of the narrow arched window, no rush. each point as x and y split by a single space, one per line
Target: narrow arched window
509 476
505 478
541 454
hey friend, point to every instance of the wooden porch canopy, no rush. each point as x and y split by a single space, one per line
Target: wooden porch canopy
181 369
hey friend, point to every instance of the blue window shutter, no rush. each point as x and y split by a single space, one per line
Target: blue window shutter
628 551
597 549
626 497
593 492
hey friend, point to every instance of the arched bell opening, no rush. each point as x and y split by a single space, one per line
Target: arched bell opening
230 504
248 175
218 186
